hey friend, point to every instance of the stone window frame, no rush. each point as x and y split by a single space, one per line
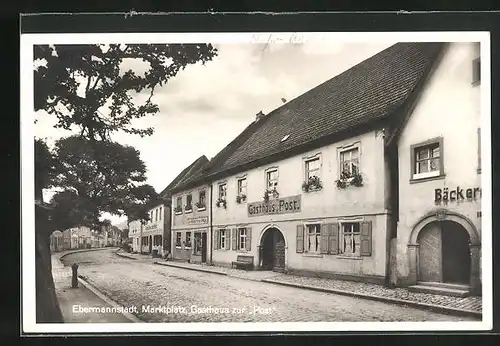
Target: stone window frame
226 245
199 200
186 246
178 240
305 159
427 177
344 148
177 204
306 238
188 211
341 223
238 179
240 235
266 174
219 184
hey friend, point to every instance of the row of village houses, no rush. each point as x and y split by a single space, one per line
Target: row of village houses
374 175
83 237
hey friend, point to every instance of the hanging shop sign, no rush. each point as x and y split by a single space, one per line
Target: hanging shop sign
284 205
458 194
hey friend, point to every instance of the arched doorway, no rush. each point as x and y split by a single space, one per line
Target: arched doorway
272 250
444 254
445 247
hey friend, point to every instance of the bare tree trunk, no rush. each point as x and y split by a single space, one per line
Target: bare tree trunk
47 306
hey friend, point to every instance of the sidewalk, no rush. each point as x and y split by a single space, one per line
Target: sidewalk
73 301
468 306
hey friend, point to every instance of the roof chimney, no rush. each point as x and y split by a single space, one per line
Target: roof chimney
259 116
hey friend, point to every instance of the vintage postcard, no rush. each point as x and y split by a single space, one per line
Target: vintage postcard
256 182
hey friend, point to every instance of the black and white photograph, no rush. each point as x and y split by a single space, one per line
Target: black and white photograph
256 182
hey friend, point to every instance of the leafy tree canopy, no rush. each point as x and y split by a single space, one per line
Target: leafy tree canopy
97 177
77 82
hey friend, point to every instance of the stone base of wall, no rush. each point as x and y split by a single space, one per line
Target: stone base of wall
404 281
374 279
222 264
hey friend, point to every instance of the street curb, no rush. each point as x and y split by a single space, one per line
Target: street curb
187 268
81 250
111 302
425 306
124 256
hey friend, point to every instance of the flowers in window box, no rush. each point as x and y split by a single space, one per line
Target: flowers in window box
200 205
178 209
347 178
268 193
221 203
357 179
188 207
313 183
241 198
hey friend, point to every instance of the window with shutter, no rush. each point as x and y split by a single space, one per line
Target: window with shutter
366 238
223 238
324 239
313 238
350 239
334 238
249 239
300 239
216 239
234 238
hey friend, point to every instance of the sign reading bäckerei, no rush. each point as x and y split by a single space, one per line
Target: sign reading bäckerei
284 205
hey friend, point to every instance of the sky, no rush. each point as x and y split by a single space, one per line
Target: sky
205 107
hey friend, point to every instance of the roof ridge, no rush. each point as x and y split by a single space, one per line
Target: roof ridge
363 94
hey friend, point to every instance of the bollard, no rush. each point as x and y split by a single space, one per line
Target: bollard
74 278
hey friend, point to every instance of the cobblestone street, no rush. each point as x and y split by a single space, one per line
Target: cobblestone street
196 295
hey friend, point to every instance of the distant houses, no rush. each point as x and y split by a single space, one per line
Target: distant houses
83 237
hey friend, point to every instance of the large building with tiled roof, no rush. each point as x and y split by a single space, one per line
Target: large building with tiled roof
153 237
313 187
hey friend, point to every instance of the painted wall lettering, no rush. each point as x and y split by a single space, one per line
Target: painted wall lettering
275 206
197 220
150 227
458 194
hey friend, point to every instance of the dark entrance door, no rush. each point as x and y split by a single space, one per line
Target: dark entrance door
150 243
203 247
273 250
455 253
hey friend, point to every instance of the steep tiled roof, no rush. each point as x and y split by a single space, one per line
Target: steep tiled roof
185 175
367 93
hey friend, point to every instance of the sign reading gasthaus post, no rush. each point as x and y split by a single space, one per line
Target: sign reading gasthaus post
284 205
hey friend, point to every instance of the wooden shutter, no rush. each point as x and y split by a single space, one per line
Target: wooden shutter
366 238
234 238
300 239
323 245
249 239
216 239
334 238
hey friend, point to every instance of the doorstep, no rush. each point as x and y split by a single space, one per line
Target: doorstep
445 289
